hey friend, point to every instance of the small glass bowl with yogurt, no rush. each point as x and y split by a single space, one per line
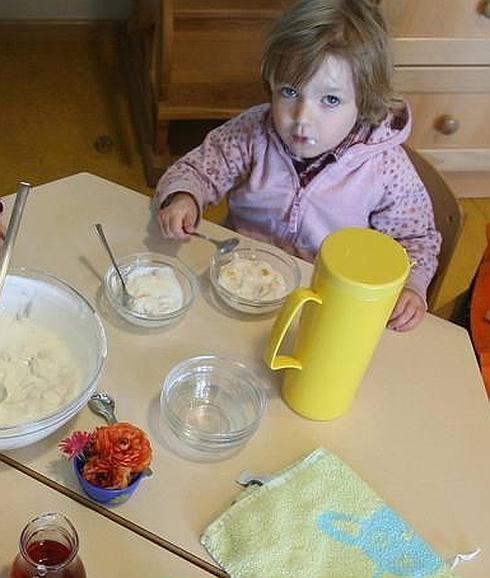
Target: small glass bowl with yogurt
254 279
161 289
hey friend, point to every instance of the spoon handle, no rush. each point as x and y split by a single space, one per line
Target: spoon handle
23 190
100 232
200 235
108 416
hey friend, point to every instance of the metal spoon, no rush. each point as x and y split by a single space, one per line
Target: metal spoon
103 404
126 297
23 190
224 246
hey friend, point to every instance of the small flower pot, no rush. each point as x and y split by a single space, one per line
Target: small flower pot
106 496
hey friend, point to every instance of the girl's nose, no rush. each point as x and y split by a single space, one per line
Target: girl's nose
302 112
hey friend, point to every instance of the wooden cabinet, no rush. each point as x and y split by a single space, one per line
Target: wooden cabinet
195 59
442 56
443 19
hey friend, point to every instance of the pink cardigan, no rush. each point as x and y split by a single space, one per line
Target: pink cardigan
372 184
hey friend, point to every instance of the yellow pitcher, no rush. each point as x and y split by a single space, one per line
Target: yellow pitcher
357 278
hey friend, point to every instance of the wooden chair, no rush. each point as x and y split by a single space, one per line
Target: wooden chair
448 217
193 59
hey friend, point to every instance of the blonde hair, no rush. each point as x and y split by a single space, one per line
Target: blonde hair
353 30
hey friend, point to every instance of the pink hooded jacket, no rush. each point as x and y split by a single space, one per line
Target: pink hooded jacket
371 184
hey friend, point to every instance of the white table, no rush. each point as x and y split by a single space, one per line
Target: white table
106 548
418 432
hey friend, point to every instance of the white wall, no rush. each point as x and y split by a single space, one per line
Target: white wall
64 9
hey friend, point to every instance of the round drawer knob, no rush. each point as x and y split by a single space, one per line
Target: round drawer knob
447 124
485 8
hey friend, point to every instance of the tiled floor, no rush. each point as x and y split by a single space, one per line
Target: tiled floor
61 89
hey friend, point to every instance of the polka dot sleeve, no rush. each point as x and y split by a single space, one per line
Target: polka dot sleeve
405 213
218 165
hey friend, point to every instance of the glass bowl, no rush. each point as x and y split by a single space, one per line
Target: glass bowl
44 306
162 275
245 298
212 405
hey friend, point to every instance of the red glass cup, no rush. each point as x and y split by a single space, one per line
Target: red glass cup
48 548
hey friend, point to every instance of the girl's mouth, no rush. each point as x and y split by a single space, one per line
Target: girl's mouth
303 140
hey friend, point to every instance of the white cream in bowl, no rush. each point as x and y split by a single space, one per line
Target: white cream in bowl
252 279
154 291
38 375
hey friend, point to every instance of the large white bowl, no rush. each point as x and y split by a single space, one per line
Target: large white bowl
54 305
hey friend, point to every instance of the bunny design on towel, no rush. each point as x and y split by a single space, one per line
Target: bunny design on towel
386 539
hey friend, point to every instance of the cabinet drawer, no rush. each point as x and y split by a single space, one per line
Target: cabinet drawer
463 117
438 18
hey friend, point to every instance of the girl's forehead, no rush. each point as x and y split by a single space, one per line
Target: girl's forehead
333 72
330 71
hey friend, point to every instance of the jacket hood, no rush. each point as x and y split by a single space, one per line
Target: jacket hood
393 131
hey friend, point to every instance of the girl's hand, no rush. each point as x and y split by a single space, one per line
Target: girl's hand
179 217
408 312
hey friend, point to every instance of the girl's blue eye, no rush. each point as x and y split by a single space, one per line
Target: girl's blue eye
288 92
331 100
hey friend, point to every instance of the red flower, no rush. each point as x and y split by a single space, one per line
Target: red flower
74 444
102 473
111 456
123 444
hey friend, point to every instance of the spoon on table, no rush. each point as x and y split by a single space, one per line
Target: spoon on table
103 404
126 297
224 246
21 195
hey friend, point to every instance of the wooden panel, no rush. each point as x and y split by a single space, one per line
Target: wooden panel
468 109
223 54
437 18
473 184
415 79
204 100
462 160
229 8
442 51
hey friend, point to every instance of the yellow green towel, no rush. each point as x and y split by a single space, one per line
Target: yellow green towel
318 519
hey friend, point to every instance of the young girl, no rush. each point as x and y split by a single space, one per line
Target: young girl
324 154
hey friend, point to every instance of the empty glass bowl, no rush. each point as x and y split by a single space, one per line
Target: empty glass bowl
212 405
162 288
241 281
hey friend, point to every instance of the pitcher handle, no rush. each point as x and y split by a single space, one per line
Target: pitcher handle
295 300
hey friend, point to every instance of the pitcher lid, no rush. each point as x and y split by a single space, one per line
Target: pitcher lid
365 258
